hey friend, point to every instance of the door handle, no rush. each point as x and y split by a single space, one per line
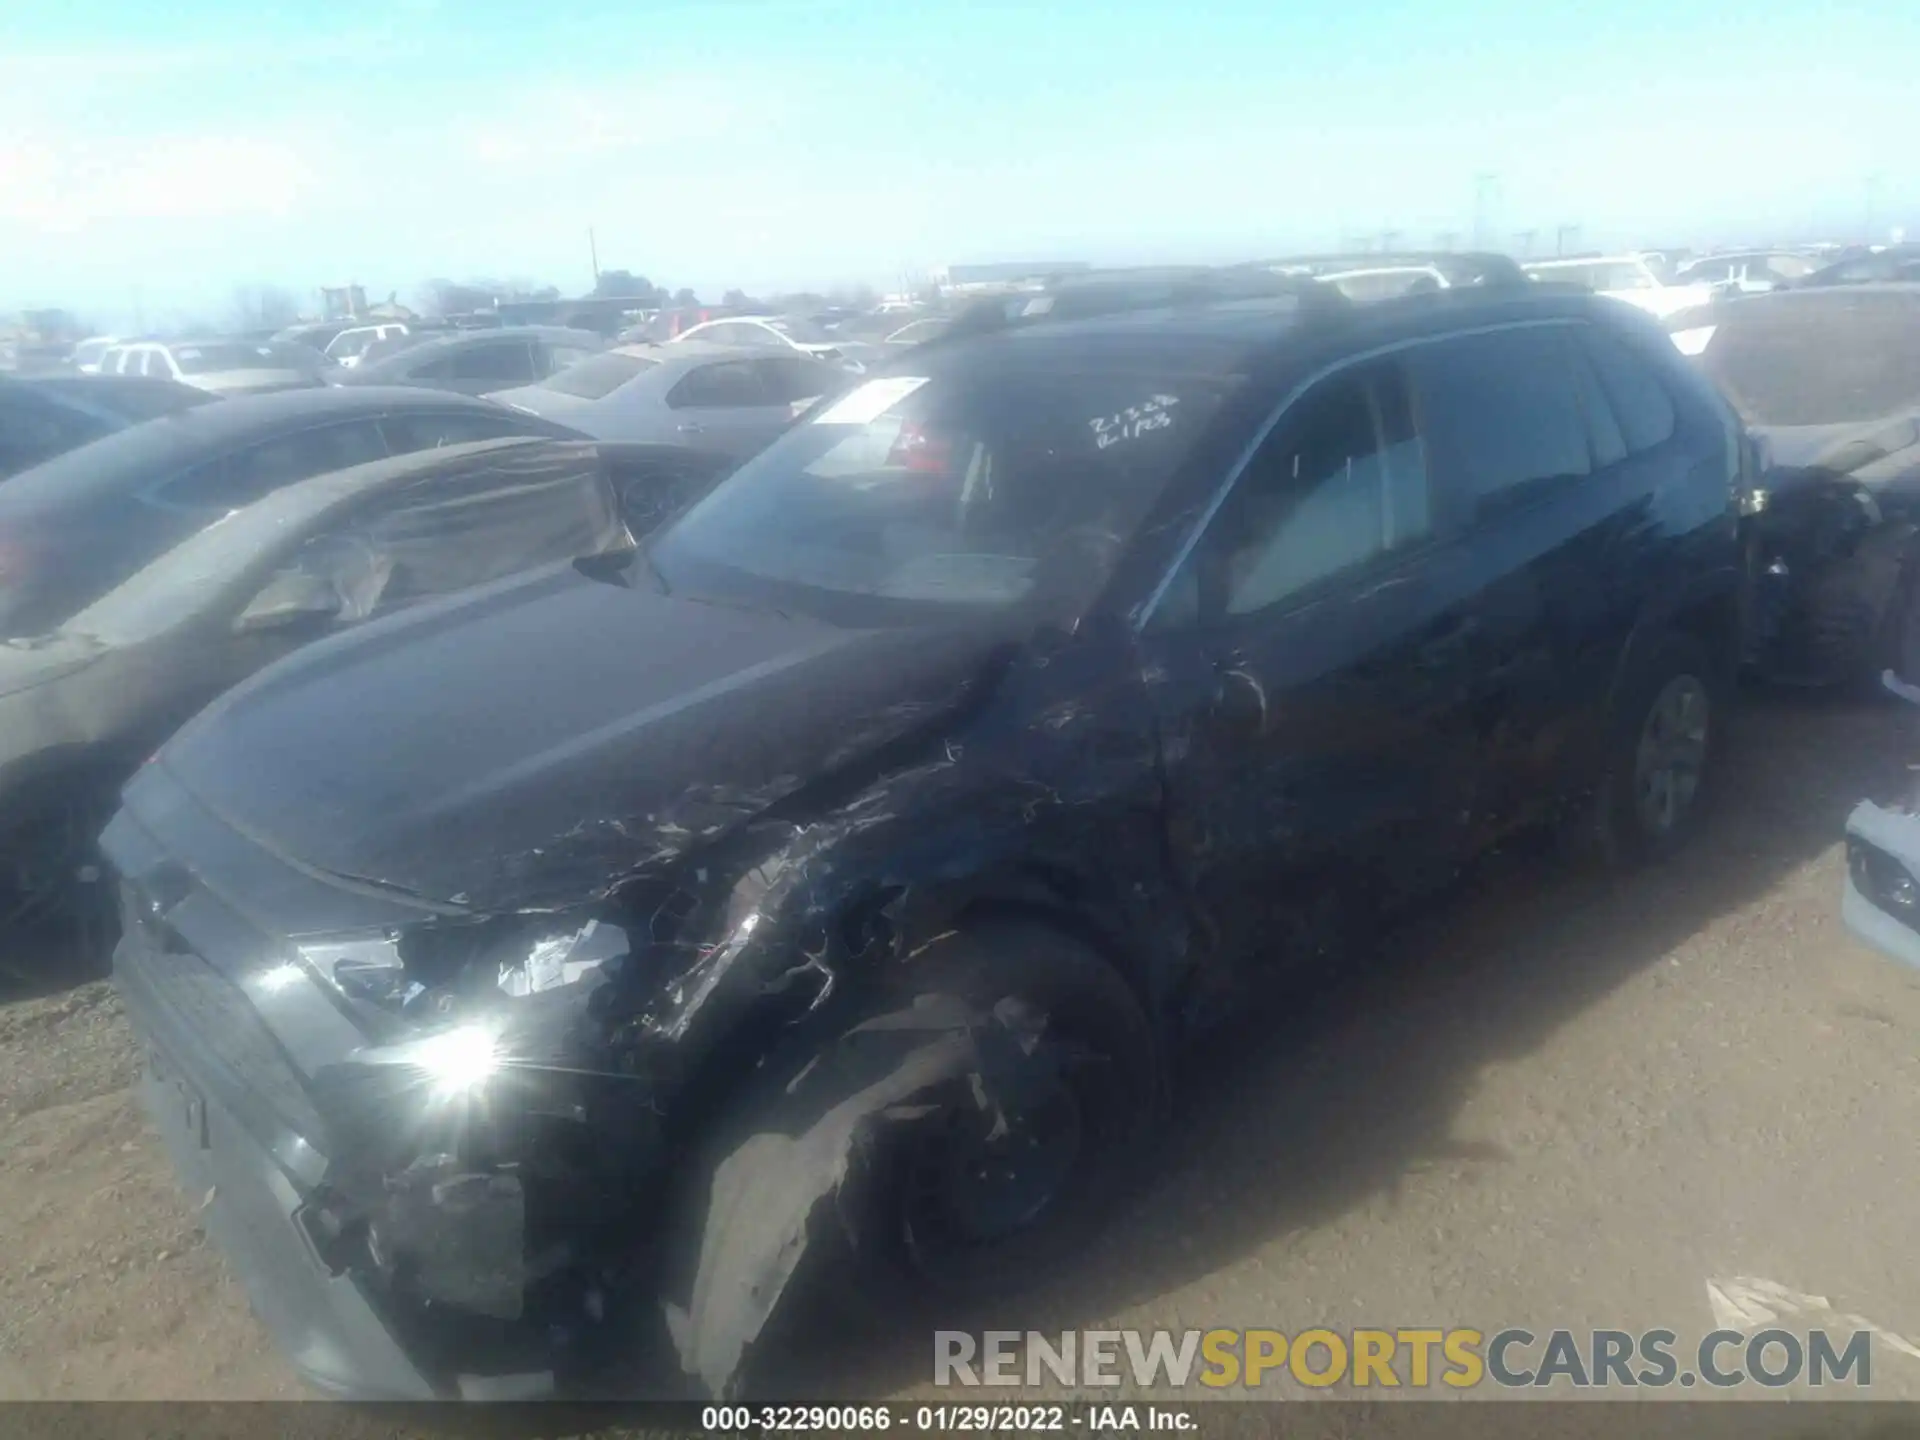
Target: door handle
689 427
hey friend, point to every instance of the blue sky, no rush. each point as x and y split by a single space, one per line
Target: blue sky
165 156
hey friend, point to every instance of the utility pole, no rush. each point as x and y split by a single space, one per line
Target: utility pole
1483 191
593 257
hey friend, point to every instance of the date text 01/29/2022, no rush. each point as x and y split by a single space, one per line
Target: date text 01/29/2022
945 1419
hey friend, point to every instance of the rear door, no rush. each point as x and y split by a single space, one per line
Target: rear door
1311 680
725 405
1523 431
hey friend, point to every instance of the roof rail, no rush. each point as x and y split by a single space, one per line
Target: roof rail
1085 297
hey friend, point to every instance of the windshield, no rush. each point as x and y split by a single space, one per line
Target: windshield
981 482
598 376
206 359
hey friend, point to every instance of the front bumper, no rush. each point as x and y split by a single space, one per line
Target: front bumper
1881 901
252 1190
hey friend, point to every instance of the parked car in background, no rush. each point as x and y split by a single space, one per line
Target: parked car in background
1383 275
473 362
1623 277
1828 382
918 332
316 335
1893 264
713 397
777 334
1750 272
1106 292
49 415
712 925
222 367
76 526
346 348
86 355
84 703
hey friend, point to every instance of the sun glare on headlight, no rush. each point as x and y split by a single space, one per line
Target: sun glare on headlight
458 1061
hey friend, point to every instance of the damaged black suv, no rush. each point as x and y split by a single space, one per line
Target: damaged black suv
822 891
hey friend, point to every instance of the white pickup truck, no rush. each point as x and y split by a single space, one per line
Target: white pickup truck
1624 277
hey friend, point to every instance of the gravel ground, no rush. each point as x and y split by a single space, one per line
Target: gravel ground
1566 1101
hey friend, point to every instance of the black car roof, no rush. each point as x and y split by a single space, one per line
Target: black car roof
206 430
1236 332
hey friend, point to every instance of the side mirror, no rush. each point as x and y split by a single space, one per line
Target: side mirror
294 597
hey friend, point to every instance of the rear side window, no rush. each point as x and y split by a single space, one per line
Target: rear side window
729 384
250 474
1500 411
1604 438
428 431
502 364
1640 401
598 376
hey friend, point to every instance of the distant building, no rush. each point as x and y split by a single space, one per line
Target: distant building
1002 275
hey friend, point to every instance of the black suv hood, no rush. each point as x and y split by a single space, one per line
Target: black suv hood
530 743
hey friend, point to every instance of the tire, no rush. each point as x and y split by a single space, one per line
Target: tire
907 1229
1669 719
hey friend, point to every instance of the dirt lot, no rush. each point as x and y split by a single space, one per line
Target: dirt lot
1567 1101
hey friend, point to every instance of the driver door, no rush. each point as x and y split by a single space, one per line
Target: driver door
1311 663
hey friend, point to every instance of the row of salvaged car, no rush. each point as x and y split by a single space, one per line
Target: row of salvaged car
618 900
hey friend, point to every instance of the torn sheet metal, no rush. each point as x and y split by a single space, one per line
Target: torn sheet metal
767 1192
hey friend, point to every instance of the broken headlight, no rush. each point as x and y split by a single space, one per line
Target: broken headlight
434 974
484 1031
